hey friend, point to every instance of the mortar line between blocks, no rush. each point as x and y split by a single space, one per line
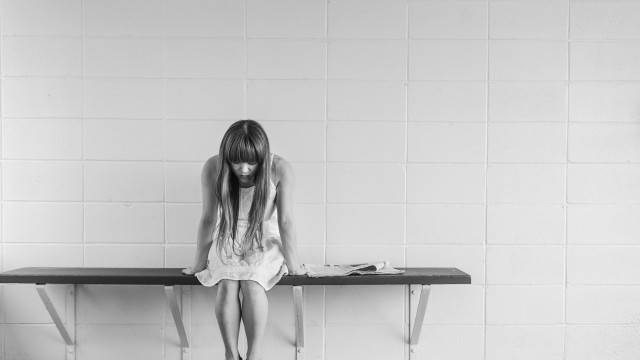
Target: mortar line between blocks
405 89
82 125
566 186
486 185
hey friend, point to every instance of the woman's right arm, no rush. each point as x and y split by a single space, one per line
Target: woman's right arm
209 217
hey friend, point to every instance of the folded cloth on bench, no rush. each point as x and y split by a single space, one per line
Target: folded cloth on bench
370 268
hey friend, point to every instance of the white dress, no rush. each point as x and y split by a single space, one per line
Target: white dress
265 266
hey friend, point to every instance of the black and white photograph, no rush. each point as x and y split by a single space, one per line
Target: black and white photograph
319 179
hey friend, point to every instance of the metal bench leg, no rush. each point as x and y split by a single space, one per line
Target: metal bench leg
71 316
419 319
298 303
172 299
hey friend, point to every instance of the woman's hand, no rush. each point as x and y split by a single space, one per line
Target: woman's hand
299 270
190 270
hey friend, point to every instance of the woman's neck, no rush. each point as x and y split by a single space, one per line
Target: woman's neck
246 184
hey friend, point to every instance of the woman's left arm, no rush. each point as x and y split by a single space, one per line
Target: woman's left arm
286 222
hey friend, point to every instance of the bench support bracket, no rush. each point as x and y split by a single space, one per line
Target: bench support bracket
172 298
419 319
298 305
70 320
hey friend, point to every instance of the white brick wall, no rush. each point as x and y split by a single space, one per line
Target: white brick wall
498 136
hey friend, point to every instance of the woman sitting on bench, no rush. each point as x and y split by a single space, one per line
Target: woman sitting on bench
248 205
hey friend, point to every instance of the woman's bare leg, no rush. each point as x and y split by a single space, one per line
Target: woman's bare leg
255 306
228 312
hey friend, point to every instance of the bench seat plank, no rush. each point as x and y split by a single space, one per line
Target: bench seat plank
174 276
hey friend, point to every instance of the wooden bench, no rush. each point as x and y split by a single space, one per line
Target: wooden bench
177 285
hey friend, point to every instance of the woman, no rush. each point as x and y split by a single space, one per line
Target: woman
248 205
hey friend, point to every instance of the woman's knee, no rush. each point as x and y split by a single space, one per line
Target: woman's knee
228 286
251 286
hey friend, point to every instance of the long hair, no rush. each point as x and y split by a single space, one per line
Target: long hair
244 141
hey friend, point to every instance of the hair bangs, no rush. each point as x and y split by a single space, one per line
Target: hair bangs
242 149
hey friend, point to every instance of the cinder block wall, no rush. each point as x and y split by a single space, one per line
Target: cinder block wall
501 137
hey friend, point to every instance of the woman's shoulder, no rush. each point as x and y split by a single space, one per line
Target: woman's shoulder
213 162
282 168
212 166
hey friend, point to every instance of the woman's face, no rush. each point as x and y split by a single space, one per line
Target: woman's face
244 170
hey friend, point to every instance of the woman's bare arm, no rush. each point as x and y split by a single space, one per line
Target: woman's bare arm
209 216
286 221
